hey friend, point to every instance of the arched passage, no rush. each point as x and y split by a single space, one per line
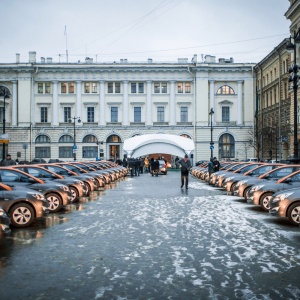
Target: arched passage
158 143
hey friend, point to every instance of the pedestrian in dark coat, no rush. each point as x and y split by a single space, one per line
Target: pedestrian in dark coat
152 166
185 169
137 167
211 167
216 164
156 167
131 166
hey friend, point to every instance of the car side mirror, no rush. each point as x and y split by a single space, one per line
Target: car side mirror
288 180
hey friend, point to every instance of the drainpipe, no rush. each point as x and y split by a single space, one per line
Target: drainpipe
194 105
279 114
32 111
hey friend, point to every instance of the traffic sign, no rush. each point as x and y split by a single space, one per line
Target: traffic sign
75 147
211 147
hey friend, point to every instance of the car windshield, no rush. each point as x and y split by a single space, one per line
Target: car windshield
40 173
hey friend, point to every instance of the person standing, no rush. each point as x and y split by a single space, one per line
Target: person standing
152 166
185 168
8 161
176 162
146 162
211 167
137 167
217 165
156 167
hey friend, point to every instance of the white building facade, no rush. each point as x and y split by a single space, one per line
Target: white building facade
116 101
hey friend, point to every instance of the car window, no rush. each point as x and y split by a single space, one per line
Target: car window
39 173
7 176
262 170
295 178
281 173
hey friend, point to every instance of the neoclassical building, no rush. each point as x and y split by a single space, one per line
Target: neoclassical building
57 109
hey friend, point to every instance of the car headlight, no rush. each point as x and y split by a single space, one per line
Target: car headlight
257 187
36 195
282 196
64 188
241 182
2 212
79 182
228 179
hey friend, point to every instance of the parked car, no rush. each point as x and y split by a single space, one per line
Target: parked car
54 160
4 220
265 190
37 161
56 194
22 205
286 204
162 167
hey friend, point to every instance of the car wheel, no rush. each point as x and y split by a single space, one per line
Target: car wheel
74 193
232 187
55 202
21 214
89 188
246 191
166 173
293 214
265 201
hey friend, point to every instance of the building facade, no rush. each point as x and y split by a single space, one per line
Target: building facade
88 108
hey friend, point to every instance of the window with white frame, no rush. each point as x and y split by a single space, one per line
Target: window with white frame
67 88
67 114
44 87
183 114
114 114
183 87
225 90
113 87
137 114
225 114
160 87
90 114
42 152
137 87
90 87
44 114
160 114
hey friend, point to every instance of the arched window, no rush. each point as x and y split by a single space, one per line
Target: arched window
90 139
66 139
113 139
41 139
226 146
225 90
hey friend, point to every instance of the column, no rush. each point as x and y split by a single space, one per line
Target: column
78 112
212 99
240 103
149 121
55 103
14 103
102 120
125 104
172 104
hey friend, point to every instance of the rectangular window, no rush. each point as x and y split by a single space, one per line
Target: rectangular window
141 88
94 87
47 88
187 87
164 88
160 114
67 114
114 114
65 152
71 88
91 114
183 114
87 87
63 88
110 87
179 88
90 152
156 88
133 87
44 114
225 114
137 114
40 88
117 87
42 152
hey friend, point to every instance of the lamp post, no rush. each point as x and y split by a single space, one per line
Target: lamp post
211 132
74 144
292 48
4 91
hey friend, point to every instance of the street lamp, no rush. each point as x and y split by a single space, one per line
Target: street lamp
211 133
74 144
4 91
292 48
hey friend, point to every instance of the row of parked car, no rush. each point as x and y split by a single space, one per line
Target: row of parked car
275 187
29 192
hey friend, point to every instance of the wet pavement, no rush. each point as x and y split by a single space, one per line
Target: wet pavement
145 238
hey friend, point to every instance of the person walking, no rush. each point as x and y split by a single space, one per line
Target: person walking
211 167
137 167
152 166
8 161
185 168
217 165
131 166
156 167
176 162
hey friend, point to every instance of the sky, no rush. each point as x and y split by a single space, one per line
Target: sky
164 30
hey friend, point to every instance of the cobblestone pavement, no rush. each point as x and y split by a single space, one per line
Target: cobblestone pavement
145 238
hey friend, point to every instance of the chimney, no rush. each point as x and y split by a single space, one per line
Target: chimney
121 60
125 60
49 60
17 58
42 60
32 57
221 60
194 59
150 60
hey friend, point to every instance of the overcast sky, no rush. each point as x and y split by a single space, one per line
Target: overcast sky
108 30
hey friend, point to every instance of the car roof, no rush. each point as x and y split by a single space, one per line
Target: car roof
271 171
